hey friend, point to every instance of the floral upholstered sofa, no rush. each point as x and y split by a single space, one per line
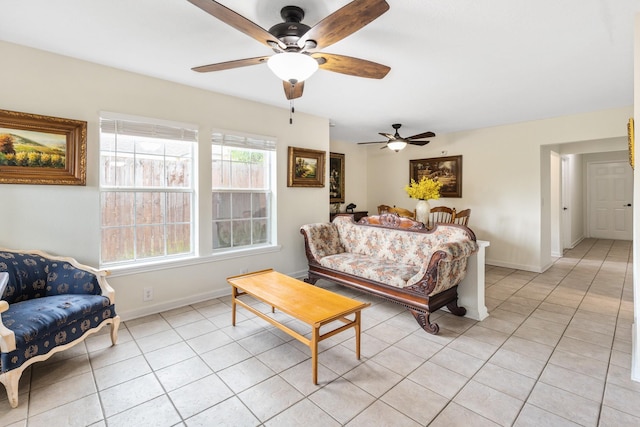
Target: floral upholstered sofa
49 304
393 258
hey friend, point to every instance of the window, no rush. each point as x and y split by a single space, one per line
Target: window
146 189
242 188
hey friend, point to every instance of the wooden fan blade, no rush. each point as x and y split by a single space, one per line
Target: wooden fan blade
343 22
350 65
420 143
238 22
422 135
387 135
374 142
231 64
294 93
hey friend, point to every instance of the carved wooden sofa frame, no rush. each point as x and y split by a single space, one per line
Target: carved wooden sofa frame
419 298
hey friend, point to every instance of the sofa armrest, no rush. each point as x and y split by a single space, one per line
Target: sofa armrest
446 267
320 240
458 249
107 290
7 336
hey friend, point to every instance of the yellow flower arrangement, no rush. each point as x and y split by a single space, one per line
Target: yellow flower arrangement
424 190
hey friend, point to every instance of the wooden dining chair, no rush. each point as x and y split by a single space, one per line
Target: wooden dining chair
440 214
406 213
461 217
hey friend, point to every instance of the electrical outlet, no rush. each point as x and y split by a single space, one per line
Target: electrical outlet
147 294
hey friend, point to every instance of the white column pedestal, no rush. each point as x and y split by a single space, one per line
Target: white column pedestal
471 289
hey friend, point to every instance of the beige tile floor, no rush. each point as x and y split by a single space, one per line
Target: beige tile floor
555 351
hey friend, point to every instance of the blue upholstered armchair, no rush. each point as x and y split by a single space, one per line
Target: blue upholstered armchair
49 304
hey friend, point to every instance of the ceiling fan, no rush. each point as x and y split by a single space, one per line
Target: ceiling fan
297 45
397 143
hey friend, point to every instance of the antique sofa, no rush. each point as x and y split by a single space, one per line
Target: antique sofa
49 304
394 258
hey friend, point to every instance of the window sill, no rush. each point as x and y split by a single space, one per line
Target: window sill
126 270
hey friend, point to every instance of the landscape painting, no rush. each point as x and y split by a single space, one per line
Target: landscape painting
36 149
32 149
305 167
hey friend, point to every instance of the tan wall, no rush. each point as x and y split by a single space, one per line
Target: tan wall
506 178
64 219
355 173
505 172
635 364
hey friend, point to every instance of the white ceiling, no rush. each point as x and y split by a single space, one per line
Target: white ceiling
455 64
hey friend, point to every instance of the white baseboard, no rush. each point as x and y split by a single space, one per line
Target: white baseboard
169 305
533 268
576 243
148 310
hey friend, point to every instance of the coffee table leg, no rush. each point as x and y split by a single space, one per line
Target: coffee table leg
234 294
357 335
314 353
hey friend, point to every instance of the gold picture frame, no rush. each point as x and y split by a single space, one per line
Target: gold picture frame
336 178
305 167
36 149
631 137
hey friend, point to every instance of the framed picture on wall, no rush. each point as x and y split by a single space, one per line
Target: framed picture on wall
305 167
447 170
631 139
38 149
336 178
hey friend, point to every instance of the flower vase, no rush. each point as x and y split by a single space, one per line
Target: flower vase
422 211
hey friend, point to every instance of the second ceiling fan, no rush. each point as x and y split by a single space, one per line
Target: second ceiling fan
297 45
396 142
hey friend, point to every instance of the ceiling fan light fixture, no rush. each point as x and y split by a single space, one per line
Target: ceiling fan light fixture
292 66
396 145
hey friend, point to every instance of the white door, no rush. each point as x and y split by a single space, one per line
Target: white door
610 196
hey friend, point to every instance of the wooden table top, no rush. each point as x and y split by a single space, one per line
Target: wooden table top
301 300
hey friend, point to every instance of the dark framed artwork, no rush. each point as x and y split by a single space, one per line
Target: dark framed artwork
336 178
447 170
37 149
305 167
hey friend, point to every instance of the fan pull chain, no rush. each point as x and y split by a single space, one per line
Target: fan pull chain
293 110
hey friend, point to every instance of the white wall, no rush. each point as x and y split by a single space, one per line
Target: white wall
64 219
503 176
577 200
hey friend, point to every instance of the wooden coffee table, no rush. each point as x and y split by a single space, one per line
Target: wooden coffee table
309 304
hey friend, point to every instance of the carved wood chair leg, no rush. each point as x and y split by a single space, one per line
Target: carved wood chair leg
453 308
114 330
11 380
423 321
